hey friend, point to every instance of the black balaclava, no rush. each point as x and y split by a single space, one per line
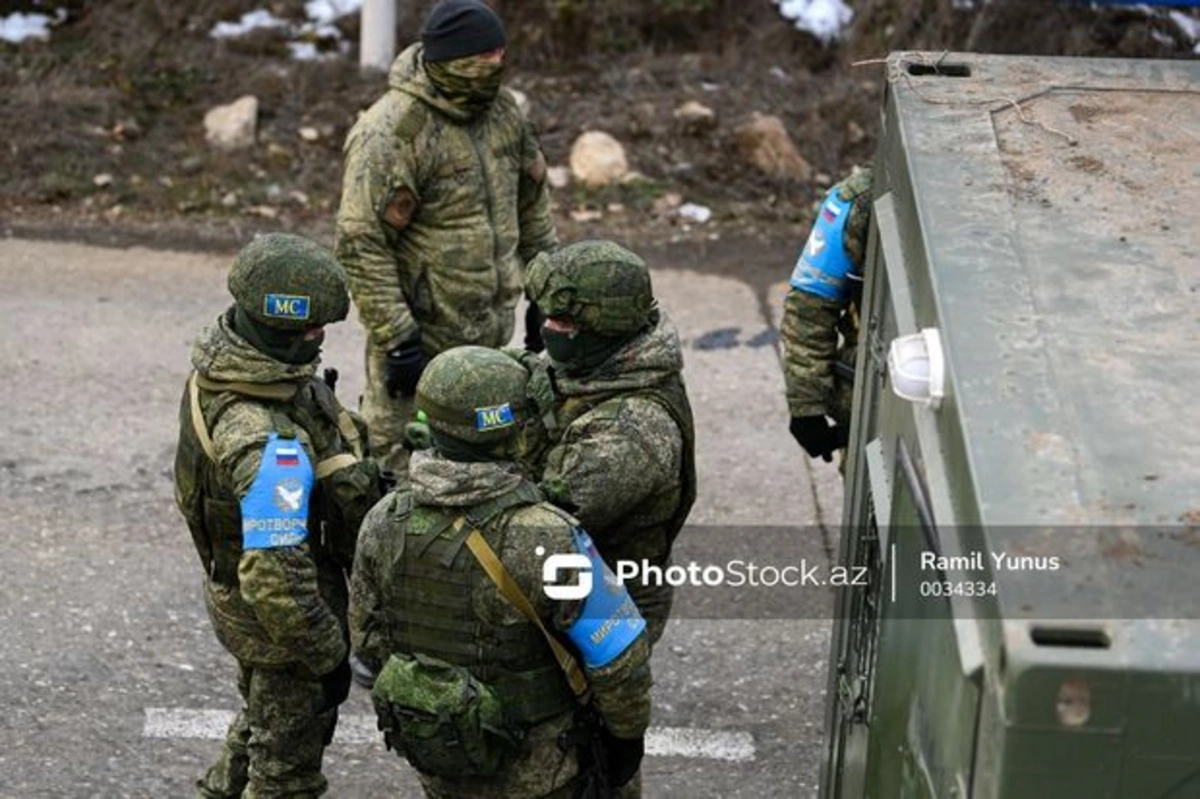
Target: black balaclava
287 346
456 449
580 352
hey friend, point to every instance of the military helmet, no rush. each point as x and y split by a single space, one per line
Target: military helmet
599 285
287 282
474 394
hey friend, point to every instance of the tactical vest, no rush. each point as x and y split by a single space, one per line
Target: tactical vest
211 506
671 396
429 609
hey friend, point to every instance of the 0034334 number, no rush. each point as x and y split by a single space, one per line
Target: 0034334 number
963 588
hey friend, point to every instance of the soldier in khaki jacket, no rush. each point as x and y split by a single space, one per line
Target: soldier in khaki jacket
443 202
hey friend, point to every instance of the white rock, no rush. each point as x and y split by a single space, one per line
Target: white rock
586 215
310 134
695 213
559 177
667 203
597 159
694 116
233 126
102 180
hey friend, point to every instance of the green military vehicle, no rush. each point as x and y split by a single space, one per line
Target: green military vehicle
1023 475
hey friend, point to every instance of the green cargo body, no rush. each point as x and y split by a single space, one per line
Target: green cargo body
1034 628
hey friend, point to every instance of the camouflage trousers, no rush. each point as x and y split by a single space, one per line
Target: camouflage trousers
385 416
275 744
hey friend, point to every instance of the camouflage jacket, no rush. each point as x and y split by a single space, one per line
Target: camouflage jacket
286 605
439 214
812 325
618 459
518 534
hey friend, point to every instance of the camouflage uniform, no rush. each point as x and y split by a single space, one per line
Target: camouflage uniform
442 205
278 607
818 370
416 588
622 452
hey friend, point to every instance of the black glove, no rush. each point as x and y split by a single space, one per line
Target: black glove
335 686
819 438
624 757
403 368
533 329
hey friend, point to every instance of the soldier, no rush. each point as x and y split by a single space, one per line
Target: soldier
616 411
269 475
447 593
444 200
823 301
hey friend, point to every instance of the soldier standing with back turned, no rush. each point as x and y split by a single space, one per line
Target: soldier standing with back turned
269 475
474 688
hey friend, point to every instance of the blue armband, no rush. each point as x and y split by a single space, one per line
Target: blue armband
824 266
275 509
610 621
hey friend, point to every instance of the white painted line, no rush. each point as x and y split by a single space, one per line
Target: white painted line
690 742
698 743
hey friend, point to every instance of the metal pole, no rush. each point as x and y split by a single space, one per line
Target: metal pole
377 37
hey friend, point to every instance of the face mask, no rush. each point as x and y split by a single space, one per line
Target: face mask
282 345
580 351
470 84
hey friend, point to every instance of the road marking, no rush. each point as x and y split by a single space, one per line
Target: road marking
690 742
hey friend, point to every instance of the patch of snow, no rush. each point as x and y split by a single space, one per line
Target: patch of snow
1189 25
321 15
825 19
324 12
303 51
252 20
18 27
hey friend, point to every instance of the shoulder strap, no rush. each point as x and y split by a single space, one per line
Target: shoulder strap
198 418
512 592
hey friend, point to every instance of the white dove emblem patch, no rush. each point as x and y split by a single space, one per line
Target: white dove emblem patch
288 495
816 243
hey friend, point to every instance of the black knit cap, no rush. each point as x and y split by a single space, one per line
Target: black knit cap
460 28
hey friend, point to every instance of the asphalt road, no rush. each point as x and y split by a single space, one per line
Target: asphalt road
111 680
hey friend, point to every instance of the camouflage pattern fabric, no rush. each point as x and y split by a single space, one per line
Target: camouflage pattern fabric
280 612
620 689
440 210
315 284
274 746
474 394
617 456
812 325
470 84
601 286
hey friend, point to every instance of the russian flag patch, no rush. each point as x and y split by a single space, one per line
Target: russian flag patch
287 456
